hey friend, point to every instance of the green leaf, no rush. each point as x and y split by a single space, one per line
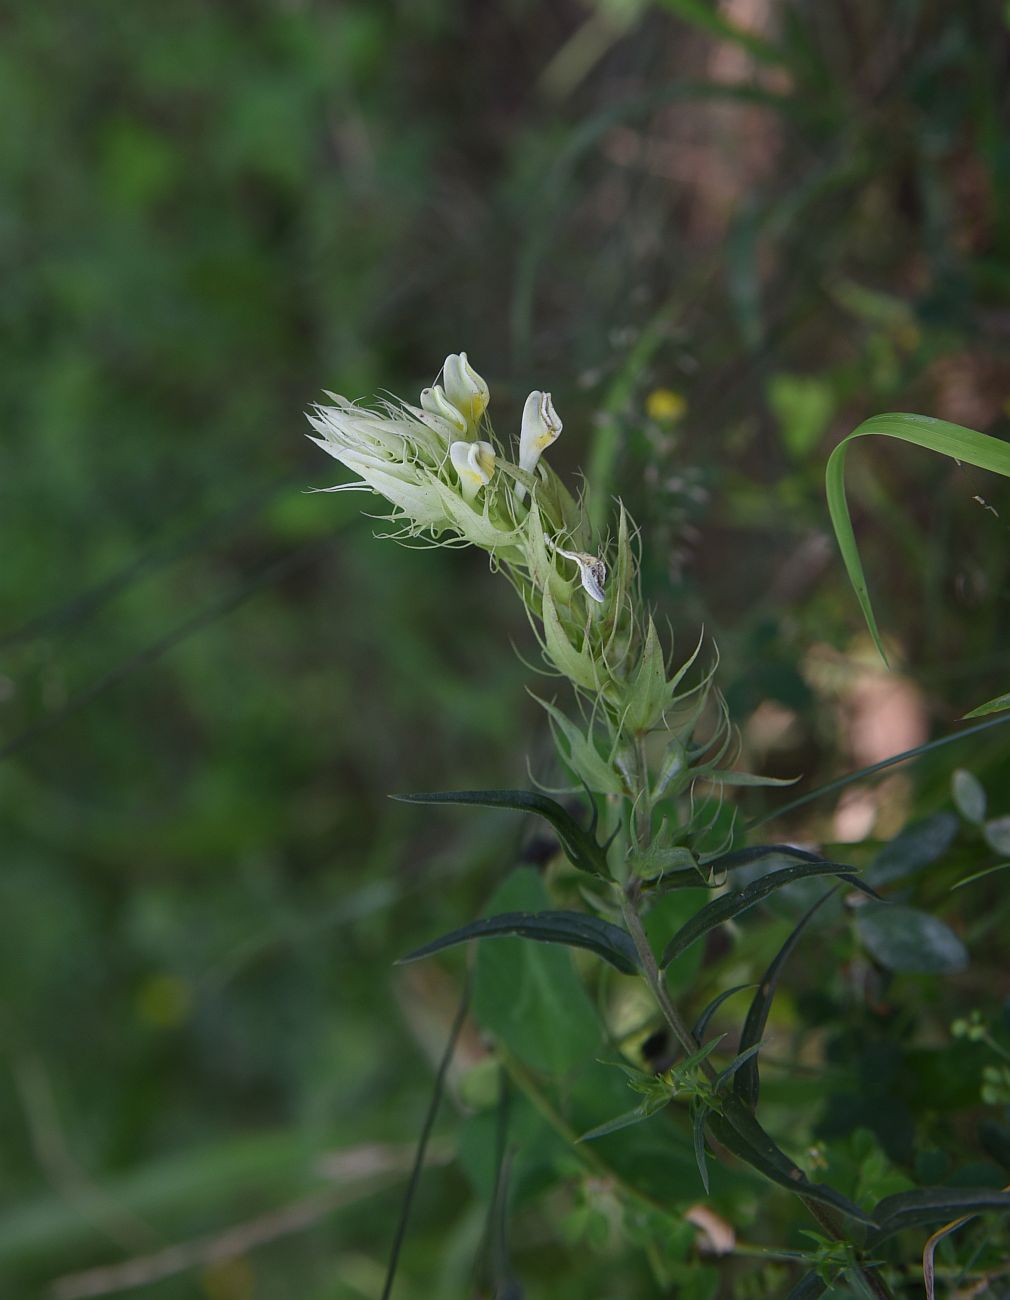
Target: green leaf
702 1023
997 834
969 796
573 929
698 1116
732 905
977 875
947 439
905 939
582 850
996 705
809 1287
917 846
744 1058
528 995
747 1084
932 1205
615 1125
757 853
739 1132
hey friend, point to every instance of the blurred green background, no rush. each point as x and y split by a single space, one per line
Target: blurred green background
721 234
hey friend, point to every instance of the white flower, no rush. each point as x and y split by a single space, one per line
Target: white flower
474 463
464 388
592 572
435 401
540 428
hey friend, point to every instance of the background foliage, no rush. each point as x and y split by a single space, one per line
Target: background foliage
722 237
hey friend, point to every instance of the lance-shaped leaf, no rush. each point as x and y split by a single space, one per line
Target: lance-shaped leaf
997 705
731 905
574 929
757 853
615 1125
738 1131
927 1205
580 847
699 1113
747 1083
809 1287
702 1023
717 865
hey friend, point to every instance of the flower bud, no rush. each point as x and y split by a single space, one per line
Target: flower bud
474 463
464 388
435 402
540 428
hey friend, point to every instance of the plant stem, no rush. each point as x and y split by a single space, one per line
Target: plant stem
654 978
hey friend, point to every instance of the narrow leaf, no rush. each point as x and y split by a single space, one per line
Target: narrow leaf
579 845
626 1120
702 1023
997 705
757 853
741 1134
977 875
926 1205
947 439
698 1133
731 905
574 929
744 1058
747 1083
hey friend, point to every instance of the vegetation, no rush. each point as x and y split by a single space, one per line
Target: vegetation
723 238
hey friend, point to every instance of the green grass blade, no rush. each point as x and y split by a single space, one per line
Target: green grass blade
861 773
952 440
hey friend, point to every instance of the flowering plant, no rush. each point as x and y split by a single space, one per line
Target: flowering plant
642 738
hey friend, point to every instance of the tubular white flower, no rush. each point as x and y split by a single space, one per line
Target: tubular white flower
474 463
465 388
540 428
592 572
435 402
